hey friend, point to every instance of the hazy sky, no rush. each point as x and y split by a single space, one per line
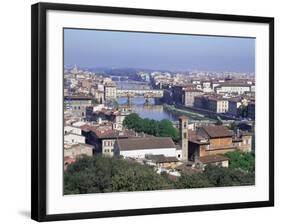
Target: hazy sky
91 48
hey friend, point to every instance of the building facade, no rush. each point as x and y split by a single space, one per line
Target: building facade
233 88
189 95
110 91
141 147
77 105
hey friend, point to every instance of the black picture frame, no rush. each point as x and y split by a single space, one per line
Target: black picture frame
39 114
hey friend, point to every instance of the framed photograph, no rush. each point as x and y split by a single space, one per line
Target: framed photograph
140 111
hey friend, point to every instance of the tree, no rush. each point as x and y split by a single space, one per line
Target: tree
221 176
241 160
193 181
105 174
163 128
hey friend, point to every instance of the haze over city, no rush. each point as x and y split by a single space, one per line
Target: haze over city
93 48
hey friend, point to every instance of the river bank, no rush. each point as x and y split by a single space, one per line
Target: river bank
190 114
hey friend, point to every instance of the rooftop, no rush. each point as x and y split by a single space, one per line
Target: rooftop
212 159
145 143
217 131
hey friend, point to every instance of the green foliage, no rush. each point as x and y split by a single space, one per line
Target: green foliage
104 174
193 181
240 160
220 176
214 176
163 128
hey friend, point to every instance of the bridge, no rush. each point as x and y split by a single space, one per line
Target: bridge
146 93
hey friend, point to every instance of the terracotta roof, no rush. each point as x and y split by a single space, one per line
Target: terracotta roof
212 159
112 134
194 137
145 143
217 131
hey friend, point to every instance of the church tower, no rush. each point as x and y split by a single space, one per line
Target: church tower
183 128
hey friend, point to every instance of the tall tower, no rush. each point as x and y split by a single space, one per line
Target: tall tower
183 127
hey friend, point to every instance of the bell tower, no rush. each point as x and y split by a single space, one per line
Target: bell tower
183 128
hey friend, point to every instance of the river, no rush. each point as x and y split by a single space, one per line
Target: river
150 110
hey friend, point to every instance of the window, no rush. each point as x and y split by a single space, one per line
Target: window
184 135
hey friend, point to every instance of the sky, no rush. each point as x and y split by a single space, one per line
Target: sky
113 49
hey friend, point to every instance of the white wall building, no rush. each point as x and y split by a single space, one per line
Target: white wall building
72 129
139 147
233 88
74 138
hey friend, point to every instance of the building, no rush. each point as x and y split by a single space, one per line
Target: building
216 140
238 88
141 147
202 102
87 83
73 135
243 141
77 150
183 131
161 161
72 129
207 86
110 91
218 104
210 140
74 138
252 110
189 94
103 137
215 160
115 116
236 106
97 91
233 106
77 105
178 94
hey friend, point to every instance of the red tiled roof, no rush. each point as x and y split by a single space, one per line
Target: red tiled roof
145 143
217 131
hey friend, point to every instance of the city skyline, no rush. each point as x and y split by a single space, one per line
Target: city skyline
120 49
